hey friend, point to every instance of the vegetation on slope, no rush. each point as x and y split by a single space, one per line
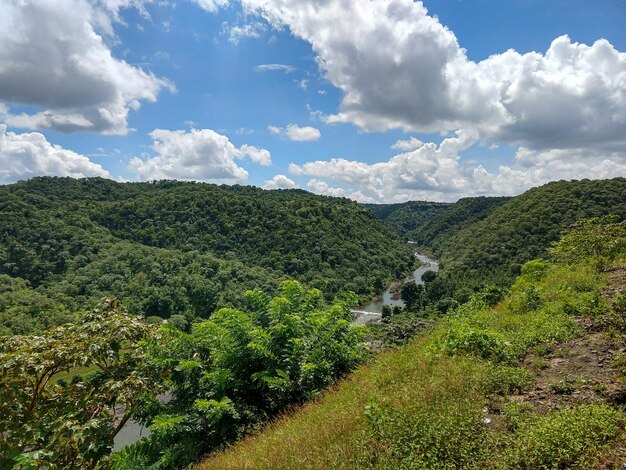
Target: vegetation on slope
171 248
463 213
485 240
224 378
409 216
493 249
462 395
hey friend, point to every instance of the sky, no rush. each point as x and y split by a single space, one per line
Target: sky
375 100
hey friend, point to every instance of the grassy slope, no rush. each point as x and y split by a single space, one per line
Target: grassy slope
424 405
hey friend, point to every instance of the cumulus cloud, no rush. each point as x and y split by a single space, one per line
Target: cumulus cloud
200 154
275 67
409 144
321 187
296 133
436 172
280 182
55 56
26 155
399 67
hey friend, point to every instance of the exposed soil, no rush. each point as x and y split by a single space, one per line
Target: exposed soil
581 371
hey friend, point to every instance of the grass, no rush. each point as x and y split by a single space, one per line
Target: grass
68 375
422 405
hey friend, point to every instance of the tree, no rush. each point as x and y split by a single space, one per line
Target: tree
412 295
386 312
429 276
55 424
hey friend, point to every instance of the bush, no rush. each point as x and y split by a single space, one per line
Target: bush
459 337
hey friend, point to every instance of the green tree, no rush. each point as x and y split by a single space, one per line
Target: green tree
72 425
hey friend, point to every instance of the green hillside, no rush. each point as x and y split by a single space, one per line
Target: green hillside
171 248
492 248
408 216
485 240
532 381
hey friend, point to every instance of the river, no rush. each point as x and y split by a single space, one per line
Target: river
370 312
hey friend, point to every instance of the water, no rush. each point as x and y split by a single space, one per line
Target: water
134 431
370 312
129 434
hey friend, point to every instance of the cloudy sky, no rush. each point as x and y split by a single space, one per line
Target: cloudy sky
376 100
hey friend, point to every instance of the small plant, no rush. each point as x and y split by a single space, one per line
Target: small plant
569 438
506 380
538 363
461 338
526 300
564 386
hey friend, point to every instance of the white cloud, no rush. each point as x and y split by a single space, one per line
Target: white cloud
280 182
211 5
398 67
409 144
296 133
275 67
320 187
248 30
55 56
435 172
257 155
200 154
26 155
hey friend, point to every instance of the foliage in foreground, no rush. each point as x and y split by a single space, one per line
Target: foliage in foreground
56 424
236 370
422 405
228 375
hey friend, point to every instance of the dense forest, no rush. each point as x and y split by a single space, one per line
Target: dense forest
485 240
177 249
205 311
409 216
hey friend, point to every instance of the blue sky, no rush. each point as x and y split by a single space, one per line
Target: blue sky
383 101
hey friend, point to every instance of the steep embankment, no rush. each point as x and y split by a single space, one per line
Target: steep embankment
173 248
489 387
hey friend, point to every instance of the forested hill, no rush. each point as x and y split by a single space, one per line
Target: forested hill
173 248
408 216
483 240
522 228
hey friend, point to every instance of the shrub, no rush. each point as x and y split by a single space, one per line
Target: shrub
459 337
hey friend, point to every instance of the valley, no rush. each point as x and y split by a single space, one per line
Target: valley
253 309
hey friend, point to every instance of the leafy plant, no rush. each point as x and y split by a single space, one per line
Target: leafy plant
53 424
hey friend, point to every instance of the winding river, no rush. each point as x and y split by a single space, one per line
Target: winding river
371 311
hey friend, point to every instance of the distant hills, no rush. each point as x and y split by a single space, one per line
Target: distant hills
175 248
483 240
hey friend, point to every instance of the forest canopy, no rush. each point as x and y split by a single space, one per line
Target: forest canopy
177 248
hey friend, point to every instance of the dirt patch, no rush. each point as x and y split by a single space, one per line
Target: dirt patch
578 371
617 282
581 370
